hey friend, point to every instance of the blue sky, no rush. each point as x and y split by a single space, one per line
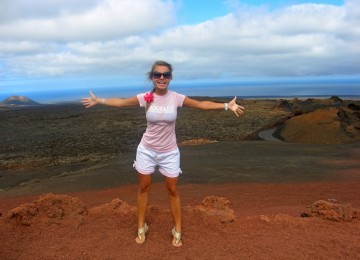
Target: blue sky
60 49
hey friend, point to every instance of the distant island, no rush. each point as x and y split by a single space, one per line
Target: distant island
18 101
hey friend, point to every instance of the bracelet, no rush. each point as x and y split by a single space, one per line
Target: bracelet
226 106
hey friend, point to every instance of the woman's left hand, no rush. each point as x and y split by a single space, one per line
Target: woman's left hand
238 110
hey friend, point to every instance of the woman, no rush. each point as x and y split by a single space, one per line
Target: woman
158 145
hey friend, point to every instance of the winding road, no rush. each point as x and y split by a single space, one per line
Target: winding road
268 135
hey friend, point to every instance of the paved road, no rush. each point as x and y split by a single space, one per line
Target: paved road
268 135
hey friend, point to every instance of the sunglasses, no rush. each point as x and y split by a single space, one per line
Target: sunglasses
157 75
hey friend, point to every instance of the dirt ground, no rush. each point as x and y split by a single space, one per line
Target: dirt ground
267 225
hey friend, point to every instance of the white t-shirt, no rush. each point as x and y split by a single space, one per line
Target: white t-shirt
161 117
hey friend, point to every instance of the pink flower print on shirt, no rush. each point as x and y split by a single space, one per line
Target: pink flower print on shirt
149 97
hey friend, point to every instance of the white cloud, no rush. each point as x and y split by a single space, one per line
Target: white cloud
108 19
12 10
121 38
8 48
301 40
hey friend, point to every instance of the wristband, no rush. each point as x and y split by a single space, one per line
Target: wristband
226 106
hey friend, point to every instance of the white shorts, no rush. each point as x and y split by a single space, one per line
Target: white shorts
147 160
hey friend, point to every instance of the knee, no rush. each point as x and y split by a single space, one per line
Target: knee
144 187
172 191
144 183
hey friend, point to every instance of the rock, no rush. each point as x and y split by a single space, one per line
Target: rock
49 209
353 107
336 99
285 104
332 211
214 206
343 117
115 205
296 113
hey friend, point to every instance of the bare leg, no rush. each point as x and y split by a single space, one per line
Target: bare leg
142 201
174 202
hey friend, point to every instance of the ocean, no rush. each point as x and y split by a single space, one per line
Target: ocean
345 90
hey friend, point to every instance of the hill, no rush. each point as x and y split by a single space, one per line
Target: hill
18 101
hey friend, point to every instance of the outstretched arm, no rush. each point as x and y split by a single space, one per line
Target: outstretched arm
115 102
209 105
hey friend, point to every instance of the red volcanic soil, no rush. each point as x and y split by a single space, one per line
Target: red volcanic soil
236 221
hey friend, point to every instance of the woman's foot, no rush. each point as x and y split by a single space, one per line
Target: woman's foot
140 239
176 238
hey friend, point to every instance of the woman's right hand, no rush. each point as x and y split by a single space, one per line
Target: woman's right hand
91 101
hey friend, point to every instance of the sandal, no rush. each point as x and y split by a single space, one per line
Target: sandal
176 238
140 239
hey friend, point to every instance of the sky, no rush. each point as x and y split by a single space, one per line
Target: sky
61 49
